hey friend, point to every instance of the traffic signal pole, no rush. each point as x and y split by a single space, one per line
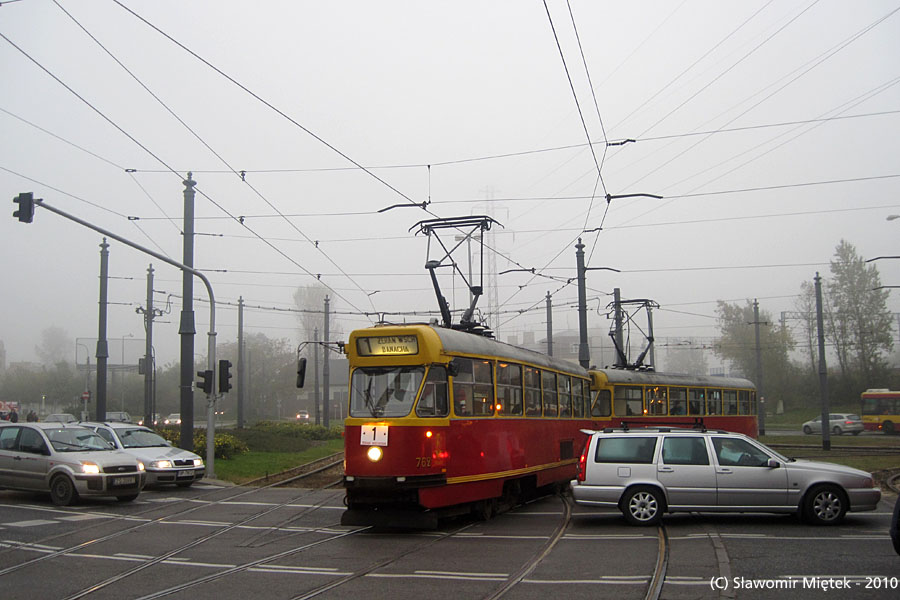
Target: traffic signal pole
211 352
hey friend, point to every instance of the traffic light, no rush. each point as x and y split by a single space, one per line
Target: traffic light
25 213
301 371
206 381
224 376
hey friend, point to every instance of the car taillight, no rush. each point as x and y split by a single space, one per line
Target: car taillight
848 422
582 462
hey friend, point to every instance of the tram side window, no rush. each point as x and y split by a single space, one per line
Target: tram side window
532 392
549 384
602 405
744 402
697 402
509 388
677 401
629 401
565 395
714 402
656 400
577 398
463 386
731 402
433 402
484 388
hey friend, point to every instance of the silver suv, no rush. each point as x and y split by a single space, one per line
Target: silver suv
647 472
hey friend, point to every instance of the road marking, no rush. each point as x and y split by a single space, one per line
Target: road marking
33 523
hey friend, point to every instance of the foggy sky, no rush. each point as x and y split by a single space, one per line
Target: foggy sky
769 128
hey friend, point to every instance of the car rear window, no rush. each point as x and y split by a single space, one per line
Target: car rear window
853 417
625 450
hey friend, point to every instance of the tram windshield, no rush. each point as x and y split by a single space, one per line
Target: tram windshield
384 391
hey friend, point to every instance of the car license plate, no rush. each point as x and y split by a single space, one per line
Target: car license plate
123 481
186 474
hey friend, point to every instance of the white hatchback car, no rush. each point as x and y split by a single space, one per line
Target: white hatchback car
164 462
647 472
66 460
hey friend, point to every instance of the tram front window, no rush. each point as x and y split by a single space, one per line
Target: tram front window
384 391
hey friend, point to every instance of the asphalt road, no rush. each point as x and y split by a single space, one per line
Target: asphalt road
229 542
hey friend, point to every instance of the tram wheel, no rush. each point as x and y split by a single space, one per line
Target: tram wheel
485 509
888 427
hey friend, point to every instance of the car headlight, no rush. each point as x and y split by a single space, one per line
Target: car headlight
140 466
90 468
198 462
161 464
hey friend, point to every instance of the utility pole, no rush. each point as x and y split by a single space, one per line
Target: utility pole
823 369
326 401
150 314
315 349
617 307
549 325
584 352
186 327
240 365
761 405
102 344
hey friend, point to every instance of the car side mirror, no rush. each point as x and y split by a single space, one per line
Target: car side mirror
772 463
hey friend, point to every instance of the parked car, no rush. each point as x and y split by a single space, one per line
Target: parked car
66 460
118 415
164 463
61 418
157 419
173 419
838 423
647 472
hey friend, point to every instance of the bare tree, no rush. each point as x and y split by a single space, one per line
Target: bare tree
55 345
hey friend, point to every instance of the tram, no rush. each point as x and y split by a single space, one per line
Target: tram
635 398
444 422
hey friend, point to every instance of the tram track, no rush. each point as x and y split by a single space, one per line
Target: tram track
145 524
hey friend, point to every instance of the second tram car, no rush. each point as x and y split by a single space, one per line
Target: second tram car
642 398
443 421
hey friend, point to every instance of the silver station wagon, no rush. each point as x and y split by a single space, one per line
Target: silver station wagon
647 472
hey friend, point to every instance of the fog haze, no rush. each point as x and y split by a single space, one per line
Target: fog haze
770 130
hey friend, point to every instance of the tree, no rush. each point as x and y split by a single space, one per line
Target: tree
310 301
861 325
687 360
272 372
737 344
55 345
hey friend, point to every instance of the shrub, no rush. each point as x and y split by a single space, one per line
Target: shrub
226 444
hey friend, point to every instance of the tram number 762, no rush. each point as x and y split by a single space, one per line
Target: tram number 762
423 462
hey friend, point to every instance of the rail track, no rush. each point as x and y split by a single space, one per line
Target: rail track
319 473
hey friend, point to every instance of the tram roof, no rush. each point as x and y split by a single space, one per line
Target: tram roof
655 378
455 341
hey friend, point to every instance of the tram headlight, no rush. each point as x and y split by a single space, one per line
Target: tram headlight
374 453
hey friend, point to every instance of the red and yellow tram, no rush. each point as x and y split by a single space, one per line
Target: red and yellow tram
443 421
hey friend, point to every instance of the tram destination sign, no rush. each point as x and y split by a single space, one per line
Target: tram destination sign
387 345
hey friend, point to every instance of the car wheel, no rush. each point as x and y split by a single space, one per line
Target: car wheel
836 430
807 429
62 491
825 505
642 506
127 498
184 484
856 433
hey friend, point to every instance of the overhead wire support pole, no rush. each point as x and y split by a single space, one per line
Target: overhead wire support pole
211 354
